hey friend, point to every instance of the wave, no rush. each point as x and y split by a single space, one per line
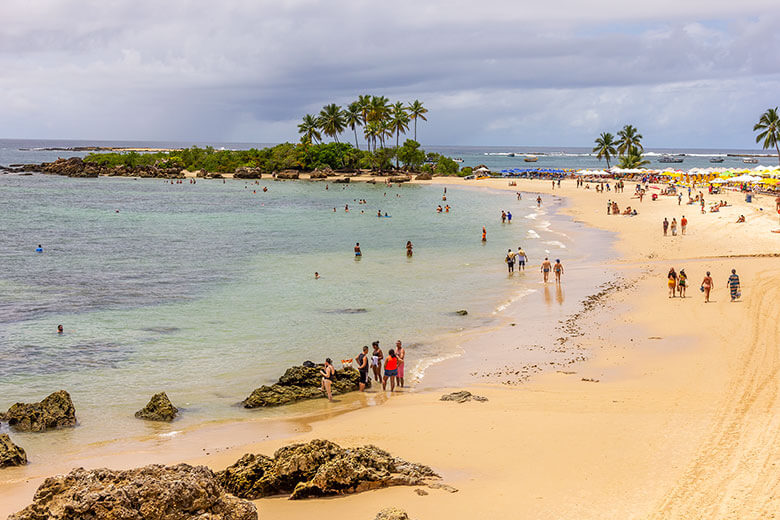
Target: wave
556 243
512 300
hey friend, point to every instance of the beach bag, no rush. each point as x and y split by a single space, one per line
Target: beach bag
701 288
739 294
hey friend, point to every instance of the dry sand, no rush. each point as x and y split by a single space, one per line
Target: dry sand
680 418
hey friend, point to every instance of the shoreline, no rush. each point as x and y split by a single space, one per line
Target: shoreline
658 394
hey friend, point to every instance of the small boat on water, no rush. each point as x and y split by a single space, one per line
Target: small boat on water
530 158
750 160
458 159
670 159
510 154
716 160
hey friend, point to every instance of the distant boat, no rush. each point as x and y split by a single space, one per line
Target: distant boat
510 154
458 159
716 160
670 159
531 158
750 160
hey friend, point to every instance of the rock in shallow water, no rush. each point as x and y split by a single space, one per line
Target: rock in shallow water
320 468
300 383
152 492
55 411
10 453
159 408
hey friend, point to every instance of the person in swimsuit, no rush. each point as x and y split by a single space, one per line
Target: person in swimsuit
734 285
509 216
391 370
510 261
362 362
39 249
558 270
503 217
357 249
376 361
706 286
60 330
674 227
666 226
327 373
409 248
484 234
400 352
316 275
522 258
682 283
683 224
539 201
546 269
671 280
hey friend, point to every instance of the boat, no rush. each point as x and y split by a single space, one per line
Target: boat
510 154
458 159
750 160
716 160
670 159
531 158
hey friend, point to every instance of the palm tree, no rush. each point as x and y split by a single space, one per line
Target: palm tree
770 124
332 121
310 128
633 159
371 131
629 137
417 110
605 147
353 118
385 129
364 102
399 120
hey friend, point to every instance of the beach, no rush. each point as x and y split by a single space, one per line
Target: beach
660 408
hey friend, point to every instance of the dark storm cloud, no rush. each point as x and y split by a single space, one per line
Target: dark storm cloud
490 72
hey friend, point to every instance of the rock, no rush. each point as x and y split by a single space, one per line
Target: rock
10 453
320 468
462 312
287 174
246 172
341 180
159 408
400 178
318 174
421 492
423 177
462 397
443 487
73 167
56 411
299 383
154 492
392 513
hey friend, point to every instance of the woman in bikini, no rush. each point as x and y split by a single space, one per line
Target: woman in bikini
672 281
327 373
682 283
706 286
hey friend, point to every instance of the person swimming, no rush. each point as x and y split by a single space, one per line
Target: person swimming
60 330
39 249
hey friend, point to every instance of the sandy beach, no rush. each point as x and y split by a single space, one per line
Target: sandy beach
674 413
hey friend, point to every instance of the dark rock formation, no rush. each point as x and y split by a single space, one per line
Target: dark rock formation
246 172
159 408
288 174
320 468
10 453
392 513
300 383
56 411
462 397
423 177
341 180
400 178
318 174
153 492
462 312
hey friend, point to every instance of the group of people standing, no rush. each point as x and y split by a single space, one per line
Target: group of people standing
385 369
673 226
678 282
520 257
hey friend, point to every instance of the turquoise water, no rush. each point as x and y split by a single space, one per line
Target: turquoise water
207 291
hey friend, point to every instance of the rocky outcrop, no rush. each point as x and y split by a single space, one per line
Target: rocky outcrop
300 383
317 174
320 468
462 397
73 167
423 176
288 174
159 408
153 492
400 178
341 180
56 411
10 453
247 172
392 513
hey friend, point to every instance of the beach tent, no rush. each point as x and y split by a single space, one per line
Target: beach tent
745 178
482 169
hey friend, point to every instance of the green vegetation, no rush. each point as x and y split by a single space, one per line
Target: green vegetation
769 125
629 148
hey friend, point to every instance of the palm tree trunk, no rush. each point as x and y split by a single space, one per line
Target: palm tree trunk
415 129
778 152
607 157
396 148
354 129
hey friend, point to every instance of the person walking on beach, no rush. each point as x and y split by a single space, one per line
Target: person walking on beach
679 198
539 201
706 287
671 280
510 261
376 361
609 207
666 226
521 258
391 370
734 285
683 224
409 248
400 352
682 283
558 270
362 365
546 269
674 227
327 373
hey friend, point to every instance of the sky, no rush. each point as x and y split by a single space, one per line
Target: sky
686 73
